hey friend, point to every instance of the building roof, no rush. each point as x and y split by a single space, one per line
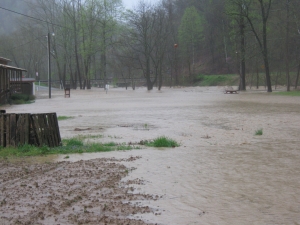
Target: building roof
4 59
11 67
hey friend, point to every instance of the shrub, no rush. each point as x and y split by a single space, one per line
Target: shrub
163 142
259 132
74 142
21 98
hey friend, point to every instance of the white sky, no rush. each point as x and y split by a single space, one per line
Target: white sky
130 4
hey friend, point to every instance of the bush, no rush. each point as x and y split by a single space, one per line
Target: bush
259 132
18 102
21 98
74 142
162 142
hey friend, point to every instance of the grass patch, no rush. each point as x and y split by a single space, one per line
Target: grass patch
69 146
21 99
217 80
59 118
288 93
259 132
41 84
162 142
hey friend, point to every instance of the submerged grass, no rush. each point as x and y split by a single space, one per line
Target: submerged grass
259 132
163 142
288 93
214 80
64 117
80 144
69 146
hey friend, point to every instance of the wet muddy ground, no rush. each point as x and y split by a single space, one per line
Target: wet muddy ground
84 192
221 174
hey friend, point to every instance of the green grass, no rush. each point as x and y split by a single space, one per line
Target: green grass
22 99
162 142
288 93
215 80
69 146
259 132
64 117
41 84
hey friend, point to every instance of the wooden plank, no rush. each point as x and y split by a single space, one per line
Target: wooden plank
36 130
7 131
57 129
33 138
2 136
51 131
47 135
54 130
44 124
22 130
26 134
12 134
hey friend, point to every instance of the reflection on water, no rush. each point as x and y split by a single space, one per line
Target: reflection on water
222 173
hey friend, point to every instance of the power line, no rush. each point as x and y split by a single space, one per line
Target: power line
31 17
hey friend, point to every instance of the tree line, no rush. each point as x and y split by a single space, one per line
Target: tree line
170 42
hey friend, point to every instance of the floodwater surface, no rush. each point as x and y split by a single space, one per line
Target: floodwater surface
222 173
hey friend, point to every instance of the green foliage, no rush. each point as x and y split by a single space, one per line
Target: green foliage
162 142
25 150
41 84
259 132
73 142
70 146
215 80
21 99
288 93
191 28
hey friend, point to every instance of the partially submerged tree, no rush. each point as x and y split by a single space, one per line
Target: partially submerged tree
252 12
235 9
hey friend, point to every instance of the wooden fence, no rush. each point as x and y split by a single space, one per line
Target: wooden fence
33 129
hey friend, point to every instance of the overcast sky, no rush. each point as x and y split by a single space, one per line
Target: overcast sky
131 3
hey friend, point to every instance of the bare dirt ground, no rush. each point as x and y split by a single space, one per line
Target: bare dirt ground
221 174
83 192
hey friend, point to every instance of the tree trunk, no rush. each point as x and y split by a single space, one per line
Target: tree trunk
265 49
287 46
243 52
76 48
297 78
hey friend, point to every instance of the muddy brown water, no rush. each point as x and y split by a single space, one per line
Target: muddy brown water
221 174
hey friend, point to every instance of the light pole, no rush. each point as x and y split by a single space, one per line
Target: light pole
176 74
37 74
49 64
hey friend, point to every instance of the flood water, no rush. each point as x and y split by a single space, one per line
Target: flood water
221 174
